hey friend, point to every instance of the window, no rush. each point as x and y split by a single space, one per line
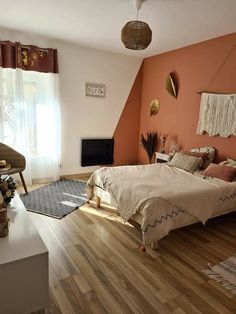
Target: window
30 118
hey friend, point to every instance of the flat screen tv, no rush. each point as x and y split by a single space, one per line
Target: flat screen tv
97 152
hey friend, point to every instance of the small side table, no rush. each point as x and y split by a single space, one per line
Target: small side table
160 157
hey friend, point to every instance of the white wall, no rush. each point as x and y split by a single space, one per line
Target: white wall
91 116
83 116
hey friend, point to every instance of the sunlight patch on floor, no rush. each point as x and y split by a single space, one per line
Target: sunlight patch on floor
70 204
83 197
102 214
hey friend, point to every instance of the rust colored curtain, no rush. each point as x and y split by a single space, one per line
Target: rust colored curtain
28 57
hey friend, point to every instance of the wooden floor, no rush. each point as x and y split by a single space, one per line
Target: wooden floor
96 265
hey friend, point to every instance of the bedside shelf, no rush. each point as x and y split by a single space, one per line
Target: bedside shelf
161 157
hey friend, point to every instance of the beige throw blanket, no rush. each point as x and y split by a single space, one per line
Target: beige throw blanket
131 186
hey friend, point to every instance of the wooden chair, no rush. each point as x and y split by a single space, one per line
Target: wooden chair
16 160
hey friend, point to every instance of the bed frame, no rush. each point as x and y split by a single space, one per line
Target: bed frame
153 245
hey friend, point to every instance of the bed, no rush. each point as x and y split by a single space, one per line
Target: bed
161 198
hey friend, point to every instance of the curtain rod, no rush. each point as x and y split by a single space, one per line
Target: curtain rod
24 46
201 92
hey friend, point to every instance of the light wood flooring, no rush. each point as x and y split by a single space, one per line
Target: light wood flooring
96 265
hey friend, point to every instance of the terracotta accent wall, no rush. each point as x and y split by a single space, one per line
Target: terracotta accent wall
126 135
203 66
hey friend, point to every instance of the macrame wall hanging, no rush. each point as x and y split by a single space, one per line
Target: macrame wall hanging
217 115
217 110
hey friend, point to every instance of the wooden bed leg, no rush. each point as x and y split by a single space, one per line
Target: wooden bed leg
154 245
98 202
142 248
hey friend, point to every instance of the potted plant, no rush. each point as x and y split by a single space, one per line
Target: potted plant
149 144
7 188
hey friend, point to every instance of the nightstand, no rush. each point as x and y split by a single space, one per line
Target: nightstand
160 157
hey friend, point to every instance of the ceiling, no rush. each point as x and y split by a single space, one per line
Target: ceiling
97 23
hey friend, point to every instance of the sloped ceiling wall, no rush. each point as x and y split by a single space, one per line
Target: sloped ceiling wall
126 136
91 117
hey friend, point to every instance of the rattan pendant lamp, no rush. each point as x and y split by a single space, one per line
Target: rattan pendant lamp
136 35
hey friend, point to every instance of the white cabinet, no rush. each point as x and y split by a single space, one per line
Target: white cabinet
24 286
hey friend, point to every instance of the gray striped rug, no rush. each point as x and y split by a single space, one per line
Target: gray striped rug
57 199
224 273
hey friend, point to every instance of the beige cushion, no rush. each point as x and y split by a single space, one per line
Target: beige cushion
229 162
203 156
185 162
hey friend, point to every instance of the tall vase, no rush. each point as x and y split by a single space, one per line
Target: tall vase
162 149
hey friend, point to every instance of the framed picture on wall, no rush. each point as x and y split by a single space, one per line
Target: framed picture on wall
95 90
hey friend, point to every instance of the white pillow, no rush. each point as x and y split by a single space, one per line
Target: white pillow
185 162
211 154
229 162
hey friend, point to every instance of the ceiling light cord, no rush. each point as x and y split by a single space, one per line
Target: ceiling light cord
136 35
138 4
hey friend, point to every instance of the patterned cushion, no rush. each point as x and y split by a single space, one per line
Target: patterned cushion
211 154
222 172
185 162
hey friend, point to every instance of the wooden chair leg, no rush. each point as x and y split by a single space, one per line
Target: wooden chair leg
23 182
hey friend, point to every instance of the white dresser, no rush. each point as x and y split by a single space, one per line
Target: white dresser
24 286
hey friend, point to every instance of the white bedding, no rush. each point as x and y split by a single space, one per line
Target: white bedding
166 197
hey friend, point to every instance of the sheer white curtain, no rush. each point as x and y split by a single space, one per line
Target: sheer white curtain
30 120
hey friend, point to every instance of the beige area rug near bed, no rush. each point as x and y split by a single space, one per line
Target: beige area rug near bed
224 273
